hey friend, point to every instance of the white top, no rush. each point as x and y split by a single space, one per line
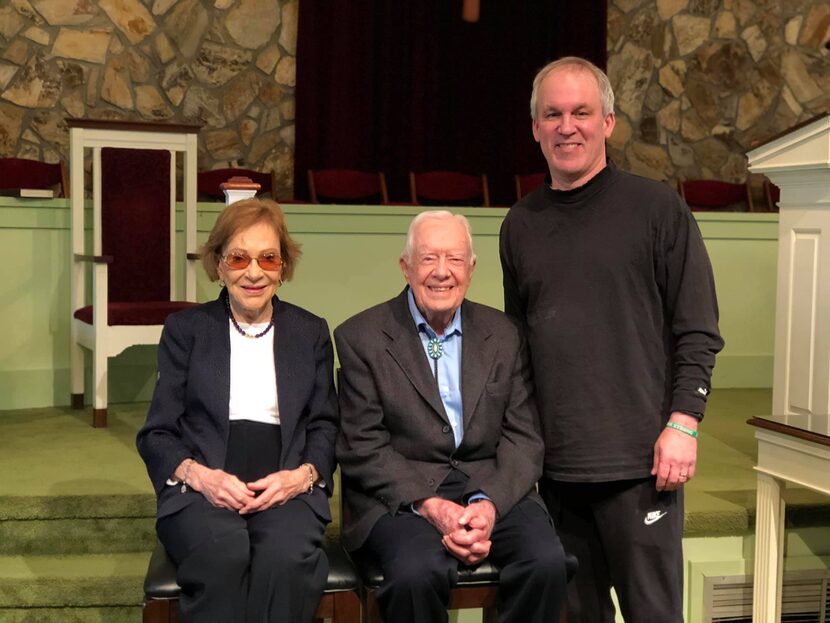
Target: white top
253 376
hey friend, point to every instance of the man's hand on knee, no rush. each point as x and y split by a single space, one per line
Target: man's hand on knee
442 514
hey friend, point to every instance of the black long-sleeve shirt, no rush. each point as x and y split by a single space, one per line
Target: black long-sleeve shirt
614 287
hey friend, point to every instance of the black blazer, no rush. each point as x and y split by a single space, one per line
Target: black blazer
396 444
188 416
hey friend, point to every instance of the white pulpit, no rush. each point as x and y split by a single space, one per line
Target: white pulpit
794 442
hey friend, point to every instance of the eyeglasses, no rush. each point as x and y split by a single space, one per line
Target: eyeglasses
237 260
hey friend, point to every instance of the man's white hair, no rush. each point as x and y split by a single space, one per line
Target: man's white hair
409 247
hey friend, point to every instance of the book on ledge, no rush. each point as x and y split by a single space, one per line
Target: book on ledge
37 193
30 193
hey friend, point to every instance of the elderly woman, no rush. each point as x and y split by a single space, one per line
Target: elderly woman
239 438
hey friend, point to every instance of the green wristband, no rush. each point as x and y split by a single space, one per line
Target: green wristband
682 429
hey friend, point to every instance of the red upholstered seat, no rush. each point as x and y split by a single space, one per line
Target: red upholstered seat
772 194
140 313
347 186
526 184
17 173
448 188
702 195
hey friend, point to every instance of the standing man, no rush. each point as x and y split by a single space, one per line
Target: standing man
440 446
608 273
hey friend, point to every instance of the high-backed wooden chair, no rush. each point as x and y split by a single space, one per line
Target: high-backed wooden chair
449 188
347 186
772 195
21 173
525 184
209 183
705 195
137 267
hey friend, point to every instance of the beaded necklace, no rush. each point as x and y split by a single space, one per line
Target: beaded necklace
240 329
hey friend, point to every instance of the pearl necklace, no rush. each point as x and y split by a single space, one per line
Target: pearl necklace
240 329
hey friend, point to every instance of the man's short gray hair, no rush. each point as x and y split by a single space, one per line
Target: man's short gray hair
606 92
409 249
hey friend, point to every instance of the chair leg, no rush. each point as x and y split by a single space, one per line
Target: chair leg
99 418
370 613
490 615
100 378
160 611
346 608
76 373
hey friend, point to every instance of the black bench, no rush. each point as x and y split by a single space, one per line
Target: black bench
340 601
477 588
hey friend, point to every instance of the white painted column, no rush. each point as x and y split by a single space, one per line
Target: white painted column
769 550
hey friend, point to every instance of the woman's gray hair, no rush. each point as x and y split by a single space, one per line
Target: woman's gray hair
408 249
606 92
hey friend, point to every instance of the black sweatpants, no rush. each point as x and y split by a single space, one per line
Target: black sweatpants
628 535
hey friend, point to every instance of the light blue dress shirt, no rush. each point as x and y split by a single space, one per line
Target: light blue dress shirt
448 365
449 373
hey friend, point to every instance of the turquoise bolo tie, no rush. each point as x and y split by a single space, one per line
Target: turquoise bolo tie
435 348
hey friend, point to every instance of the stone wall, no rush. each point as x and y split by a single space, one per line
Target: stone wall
700 82
229 64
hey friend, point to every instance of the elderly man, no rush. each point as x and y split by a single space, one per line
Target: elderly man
609 275
440 446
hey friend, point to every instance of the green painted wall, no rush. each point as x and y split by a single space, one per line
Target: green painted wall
350 262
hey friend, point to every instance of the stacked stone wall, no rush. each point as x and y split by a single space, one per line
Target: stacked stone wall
698 82
228 64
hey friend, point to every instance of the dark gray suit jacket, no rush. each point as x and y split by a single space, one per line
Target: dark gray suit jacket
396 445
188 416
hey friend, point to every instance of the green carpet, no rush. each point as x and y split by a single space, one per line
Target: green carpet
76 517
720 501
112 614
76 505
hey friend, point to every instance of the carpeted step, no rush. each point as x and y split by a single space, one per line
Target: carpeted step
55 537
89 506
114 614
92 580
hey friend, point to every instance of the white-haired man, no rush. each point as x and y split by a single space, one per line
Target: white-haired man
440 446
608 273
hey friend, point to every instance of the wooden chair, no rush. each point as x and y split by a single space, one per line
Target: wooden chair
209 183
134 256
525 184
449 188
347 186
706 195
772 194
21 173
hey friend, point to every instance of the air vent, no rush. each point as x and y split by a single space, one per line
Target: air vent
806 598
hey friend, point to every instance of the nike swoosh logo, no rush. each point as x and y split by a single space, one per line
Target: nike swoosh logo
650 519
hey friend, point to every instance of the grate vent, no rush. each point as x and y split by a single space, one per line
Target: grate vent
805 598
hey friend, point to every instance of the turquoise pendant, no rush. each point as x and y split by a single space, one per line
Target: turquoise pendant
435 348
